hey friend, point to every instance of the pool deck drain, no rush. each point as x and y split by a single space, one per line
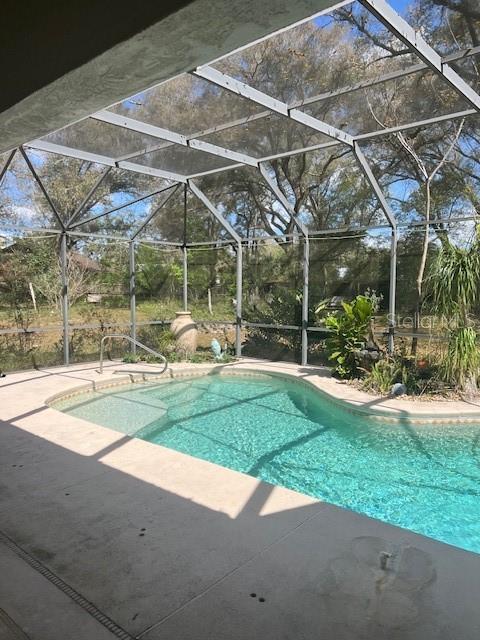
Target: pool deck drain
75 497
65 588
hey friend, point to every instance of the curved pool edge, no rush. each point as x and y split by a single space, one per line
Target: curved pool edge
360 406
288 535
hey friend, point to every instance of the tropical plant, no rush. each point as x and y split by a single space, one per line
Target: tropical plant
166 342
349 330
454 281
399 368
383 375
156 274
461 363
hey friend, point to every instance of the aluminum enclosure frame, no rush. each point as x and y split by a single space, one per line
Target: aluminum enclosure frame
393 22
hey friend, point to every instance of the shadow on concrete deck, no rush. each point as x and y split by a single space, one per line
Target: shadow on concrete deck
173 547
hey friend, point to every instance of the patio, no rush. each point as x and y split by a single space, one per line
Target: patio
328 161
211 538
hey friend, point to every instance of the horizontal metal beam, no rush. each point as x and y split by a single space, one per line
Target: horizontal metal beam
140 127
44 145
60 149
219 244
294 152
370 82
213 149
259 97
281 327
209 172
126 239
12 228
51 147
132 124
457 115
384 77
415 42
151 171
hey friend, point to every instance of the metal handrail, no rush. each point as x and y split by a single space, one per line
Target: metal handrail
122 336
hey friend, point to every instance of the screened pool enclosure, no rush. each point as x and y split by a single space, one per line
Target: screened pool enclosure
326 160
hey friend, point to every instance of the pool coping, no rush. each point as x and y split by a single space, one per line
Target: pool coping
339 394
252 536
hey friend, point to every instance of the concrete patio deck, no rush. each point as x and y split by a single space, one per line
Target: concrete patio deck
167 546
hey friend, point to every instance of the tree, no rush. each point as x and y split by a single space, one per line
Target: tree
438 166
158 273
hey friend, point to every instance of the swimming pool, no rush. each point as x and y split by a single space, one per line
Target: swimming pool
425 478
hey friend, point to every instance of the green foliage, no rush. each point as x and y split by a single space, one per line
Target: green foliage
454 281
417 376
273 295
383 375
166 342
25 261
349 330
461 363
157 274
131 358
207 356
212 269
324 188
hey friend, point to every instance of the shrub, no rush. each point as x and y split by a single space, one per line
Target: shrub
349 330
384 375
462 360
454 281
417 376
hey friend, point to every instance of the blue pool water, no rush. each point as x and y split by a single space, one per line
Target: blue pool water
425 478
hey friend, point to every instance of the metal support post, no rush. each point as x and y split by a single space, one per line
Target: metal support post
185 278
390 216
266 172
185 252
64 276
306 271
228 227
392 291
239 294
133 308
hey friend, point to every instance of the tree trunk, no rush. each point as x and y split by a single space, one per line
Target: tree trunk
209 297
421 270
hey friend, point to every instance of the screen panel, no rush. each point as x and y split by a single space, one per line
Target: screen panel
396 102
321 55
267 136
101 138
186 104
183 160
